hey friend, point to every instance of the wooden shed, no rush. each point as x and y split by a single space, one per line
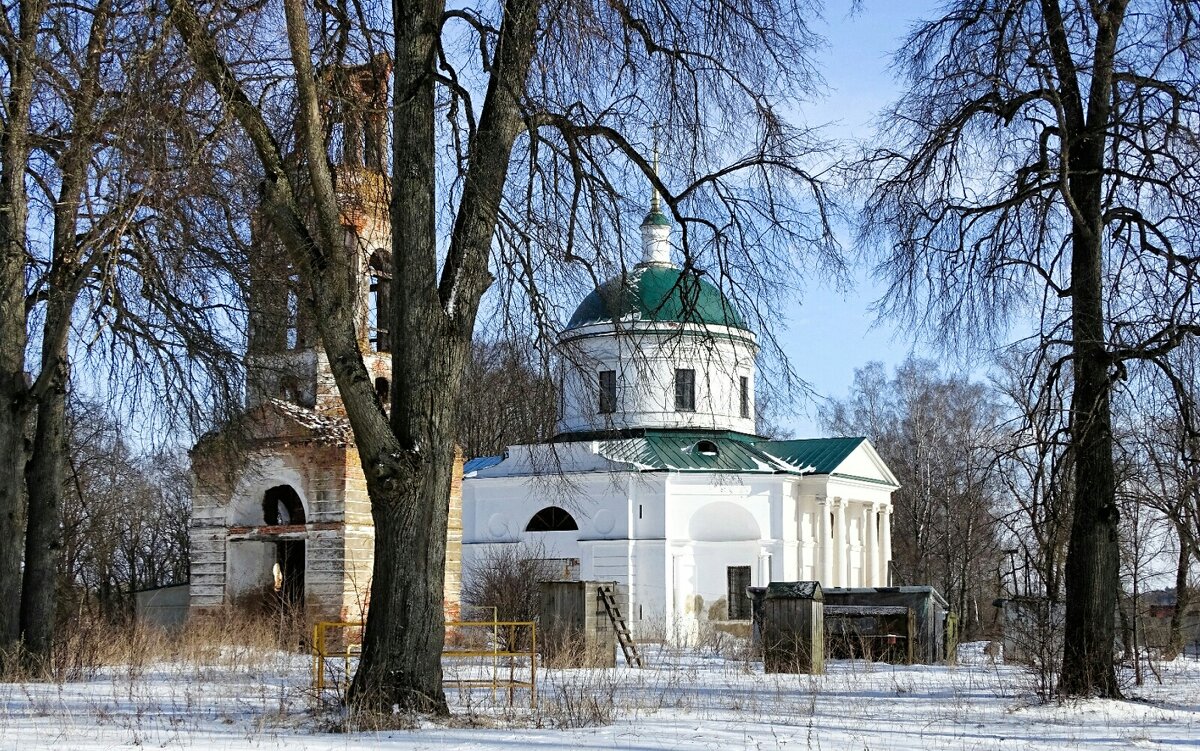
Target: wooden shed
933 635
880 633
789 622
574 628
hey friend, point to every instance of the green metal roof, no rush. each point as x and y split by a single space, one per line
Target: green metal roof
666 450
656 219
681 451
822 454
657 293
676 450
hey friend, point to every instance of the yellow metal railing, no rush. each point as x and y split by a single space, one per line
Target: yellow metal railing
322 652
511 652
346 649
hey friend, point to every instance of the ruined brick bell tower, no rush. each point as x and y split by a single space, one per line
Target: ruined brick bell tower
288 522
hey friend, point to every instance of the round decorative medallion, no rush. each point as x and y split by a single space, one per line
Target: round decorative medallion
498 526
604 521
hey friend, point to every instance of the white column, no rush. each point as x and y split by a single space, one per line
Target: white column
825 544
870 547
842 545
672 590
885 529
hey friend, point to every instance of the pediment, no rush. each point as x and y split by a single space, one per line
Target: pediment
865 463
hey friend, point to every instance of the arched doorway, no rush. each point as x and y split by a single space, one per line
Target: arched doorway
282 506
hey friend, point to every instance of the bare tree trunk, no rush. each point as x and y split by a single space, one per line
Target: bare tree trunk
45 472
1093 558
43 538
432 337
13 418
14 406
404 635
1183 595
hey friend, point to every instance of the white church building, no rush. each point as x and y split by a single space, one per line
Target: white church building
656 478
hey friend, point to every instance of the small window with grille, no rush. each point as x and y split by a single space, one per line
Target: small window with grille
608 391
739 601
685 390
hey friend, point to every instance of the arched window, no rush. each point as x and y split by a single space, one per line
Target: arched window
383 390
551 519
380 300
281 505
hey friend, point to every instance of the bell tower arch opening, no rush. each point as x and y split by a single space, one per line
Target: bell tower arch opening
284 550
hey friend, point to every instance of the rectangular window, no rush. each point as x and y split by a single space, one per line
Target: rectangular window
608 391
685 390
739 601
744 384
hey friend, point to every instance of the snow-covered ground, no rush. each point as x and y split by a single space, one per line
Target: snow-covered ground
262 700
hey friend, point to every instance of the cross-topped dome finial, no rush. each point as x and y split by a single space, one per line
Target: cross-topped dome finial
656 227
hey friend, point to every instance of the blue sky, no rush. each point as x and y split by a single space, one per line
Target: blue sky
831 332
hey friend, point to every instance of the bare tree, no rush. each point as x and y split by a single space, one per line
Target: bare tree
505 400
1161 445
533 122
937 434
1033 468
114 282
125 518
508 578
1044 160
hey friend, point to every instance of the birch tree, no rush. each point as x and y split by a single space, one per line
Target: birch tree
938 434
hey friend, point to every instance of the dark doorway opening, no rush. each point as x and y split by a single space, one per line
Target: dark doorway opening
289 557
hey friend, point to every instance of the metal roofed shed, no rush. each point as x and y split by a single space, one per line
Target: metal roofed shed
935 627
789 621
879 633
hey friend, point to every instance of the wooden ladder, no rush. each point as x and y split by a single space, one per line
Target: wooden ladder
624 638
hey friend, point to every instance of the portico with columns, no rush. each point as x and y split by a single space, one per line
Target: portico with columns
657 478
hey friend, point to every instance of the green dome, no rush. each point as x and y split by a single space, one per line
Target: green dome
657 293
656 219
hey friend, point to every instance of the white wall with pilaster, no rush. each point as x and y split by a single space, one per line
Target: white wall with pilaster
644 356
672 536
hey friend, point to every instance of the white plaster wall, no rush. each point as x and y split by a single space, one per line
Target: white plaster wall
262 473
250 566
707 588
668 536
496 510
645 358
648 588
689 493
